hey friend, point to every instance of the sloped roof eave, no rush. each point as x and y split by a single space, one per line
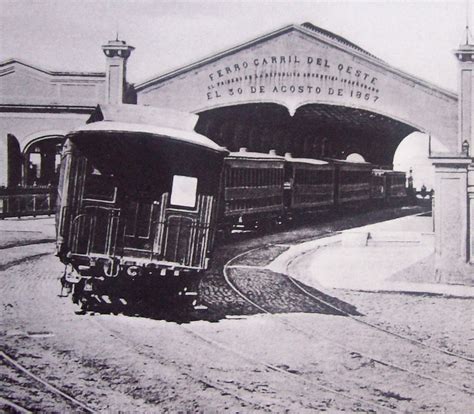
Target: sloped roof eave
211 58
12 61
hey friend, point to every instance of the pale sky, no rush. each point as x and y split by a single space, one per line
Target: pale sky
416 36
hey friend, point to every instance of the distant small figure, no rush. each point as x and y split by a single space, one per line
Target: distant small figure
423 191
411 192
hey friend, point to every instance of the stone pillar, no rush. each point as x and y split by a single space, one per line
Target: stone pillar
117 53
451 220
3 161
470 194
454 187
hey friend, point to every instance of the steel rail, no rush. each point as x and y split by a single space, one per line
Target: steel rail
343 312
380 361
294 375
372 325
49 386
17 408
152 355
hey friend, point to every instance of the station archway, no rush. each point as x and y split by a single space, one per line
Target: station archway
314 131
41 158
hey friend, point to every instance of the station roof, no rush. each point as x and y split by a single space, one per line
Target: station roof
19 62
305 28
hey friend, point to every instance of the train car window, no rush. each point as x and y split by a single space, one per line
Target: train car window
99 186
184 191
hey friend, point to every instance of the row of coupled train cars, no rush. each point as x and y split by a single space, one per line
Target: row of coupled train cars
142 196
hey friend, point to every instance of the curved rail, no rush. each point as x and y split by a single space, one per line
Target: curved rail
374 326
243 296
292 374
370 325
49 386
151 354
14 406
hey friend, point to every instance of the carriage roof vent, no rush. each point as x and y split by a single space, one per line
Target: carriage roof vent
288 155
243 149
272 152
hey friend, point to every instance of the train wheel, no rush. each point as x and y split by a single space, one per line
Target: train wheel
189 294
82 295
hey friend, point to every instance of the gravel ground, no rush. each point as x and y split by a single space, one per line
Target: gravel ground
301 359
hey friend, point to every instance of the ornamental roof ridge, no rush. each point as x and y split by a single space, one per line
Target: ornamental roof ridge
51 72
306 28
337 38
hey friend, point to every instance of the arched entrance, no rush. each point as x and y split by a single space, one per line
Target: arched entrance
314 131
41 160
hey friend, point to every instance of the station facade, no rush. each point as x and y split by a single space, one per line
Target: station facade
38 107
304 90
299 89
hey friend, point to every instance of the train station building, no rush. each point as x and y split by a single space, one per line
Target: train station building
298 89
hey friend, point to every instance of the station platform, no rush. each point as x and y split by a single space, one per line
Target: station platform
15 232
43 224
395 255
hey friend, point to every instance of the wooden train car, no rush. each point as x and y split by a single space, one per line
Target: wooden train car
253 186
353 183
378 185
136 207
309 184
396 185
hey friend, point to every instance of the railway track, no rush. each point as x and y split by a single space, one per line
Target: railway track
239 391
331 388
72 401
356 319
126 340
237 395
14 407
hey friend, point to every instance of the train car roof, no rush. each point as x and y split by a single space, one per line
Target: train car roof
381 170
312 161
255 155
146 115
169 123
395 172
345 162
190 137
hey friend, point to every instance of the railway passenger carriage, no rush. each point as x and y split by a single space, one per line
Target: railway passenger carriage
388 186
353 182
378 185
137 203
309 184
253 187
396 185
